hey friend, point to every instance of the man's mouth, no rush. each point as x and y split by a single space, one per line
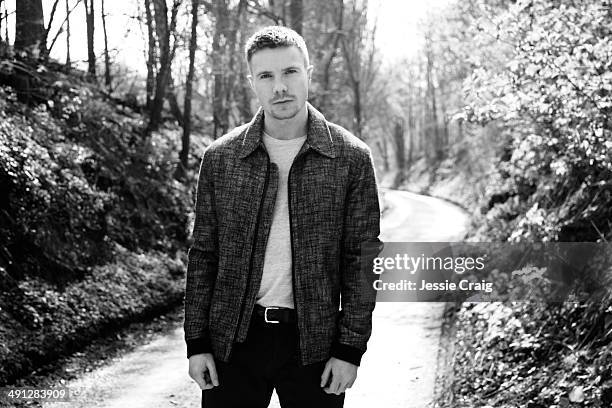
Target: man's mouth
282 101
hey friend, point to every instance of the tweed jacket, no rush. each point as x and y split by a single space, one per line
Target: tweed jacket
333 210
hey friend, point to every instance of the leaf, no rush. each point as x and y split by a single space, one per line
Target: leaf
577 394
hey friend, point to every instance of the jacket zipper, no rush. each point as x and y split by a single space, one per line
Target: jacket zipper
259 211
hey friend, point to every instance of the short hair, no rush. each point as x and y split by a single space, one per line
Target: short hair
275 37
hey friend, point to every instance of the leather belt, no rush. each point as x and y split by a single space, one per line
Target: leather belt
275 315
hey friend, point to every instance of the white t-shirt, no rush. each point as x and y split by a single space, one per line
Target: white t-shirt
276 282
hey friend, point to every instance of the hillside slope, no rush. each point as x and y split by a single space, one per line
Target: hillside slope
93 226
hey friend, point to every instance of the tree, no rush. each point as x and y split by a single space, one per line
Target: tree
29 27
432 132
44 51
184 153
1 17
359 54
151 55
296 14
107 74
6 32
166 55
324 33
225 55
552 93
61 28
91 56
68 62
400 150
220 106
162 30
3 45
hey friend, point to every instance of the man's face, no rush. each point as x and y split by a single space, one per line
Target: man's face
279 77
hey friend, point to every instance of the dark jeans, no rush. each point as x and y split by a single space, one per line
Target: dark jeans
268 360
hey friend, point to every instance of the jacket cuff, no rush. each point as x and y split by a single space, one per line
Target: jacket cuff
347 353
198 346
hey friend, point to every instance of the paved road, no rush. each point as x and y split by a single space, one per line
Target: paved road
397 371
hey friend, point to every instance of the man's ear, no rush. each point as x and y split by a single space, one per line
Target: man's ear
309 72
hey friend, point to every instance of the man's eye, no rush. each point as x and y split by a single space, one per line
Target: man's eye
291 71
264 76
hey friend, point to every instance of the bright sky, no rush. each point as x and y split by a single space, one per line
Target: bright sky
124 32
398 34
398 30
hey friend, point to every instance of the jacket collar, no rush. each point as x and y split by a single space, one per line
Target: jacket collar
318 135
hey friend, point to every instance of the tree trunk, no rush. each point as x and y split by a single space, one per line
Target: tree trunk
357 108
160 16
400 153
107 74
220 113
91 56
382 148
352 48
244 90
44 50
150 85
162 30
296 12
225 55
444 137
328 60
352 68
175 109
68 62
161 80
232 79
165 62
411 131
29 26
3 44
432 124
184 153
6 33
1 40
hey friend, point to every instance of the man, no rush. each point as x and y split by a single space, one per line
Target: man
283 205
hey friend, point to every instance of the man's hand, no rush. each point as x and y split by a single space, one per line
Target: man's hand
343 375
203 371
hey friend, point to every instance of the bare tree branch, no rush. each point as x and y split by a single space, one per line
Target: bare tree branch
61 28
51 16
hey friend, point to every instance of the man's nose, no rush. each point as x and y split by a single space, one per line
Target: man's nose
279 86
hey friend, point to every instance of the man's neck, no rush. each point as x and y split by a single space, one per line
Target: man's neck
287 128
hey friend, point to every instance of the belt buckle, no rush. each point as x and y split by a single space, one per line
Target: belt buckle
266 315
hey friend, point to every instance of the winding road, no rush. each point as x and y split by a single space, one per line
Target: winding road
397 371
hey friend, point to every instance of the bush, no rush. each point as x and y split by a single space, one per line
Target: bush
554 98
91 220
77 181
41 322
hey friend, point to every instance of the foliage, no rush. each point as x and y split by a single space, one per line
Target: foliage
50 205
539 73
554 94
91 218
532 355
41 321
78 178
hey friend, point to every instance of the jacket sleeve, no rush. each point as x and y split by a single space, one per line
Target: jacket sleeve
360 245
202 264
